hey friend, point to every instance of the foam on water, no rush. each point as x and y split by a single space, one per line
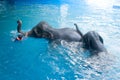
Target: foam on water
95 67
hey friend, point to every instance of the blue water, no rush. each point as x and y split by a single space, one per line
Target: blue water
36 59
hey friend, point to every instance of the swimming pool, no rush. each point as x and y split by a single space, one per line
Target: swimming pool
35 59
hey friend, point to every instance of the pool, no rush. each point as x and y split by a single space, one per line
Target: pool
36 59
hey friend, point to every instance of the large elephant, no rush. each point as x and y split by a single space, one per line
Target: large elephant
44 30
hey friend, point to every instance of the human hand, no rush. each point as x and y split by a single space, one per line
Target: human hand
19 22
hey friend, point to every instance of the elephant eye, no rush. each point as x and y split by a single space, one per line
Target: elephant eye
39 31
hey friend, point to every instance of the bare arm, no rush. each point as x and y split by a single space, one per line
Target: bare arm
19 22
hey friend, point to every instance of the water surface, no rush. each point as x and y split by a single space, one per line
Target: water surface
36 59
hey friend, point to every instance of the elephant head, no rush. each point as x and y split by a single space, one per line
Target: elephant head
41 30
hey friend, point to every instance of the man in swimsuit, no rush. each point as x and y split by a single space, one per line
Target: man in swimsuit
20 36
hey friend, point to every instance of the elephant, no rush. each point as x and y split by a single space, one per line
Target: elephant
94 42
44 30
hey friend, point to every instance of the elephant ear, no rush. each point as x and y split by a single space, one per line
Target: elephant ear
47 34
101 39
51 36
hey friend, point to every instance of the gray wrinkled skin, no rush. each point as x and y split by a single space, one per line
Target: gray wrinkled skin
44 30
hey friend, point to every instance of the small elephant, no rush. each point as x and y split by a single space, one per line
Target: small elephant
93 42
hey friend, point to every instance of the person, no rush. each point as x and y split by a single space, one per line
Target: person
19 22
19 38
21 34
